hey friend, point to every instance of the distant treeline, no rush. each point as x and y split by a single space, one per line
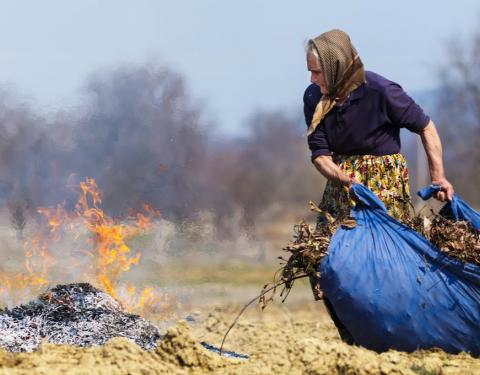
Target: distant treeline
144 139
458 113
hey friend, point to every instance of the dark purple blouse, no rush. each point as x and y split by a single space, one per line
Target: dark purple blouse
368 123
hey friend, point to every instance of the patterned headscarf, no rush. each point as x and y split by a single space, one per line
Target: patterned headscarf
342 68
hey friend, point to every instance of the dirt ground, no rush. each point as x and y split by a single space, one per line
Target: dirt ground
202 299
292 338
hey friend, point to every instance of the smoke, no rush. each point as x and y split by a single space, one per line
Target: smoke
145 140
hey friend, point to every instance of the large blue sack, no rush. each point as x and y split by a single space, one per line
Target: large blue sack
392 289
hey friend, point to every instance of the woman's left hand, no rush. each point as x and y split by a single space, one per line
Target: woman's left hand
446 189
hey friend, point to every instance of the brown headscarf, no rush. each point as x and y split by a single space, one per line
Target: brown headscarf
342 68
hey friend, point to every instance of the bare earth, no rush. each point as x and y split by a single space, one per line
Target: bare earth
201 300
279 340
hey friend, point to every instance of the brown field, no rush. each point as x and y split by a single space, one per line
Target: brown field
203 284
296 337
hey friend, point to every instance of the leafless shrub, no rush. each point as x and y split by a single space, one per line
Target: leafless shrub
17 208
458 112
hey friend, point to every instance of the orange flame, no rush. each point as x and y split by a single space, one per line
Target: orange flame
114 256
108 249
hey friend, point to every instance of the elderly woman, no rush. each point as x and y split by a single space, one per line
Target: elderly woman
354 119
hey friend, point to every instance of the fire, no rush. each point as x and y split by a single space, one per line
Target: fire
37 259
37 263
55 218
113 255
147 302
107 248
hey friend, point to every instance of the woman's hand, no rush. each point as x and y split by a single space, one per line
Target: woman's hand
326 166
446 190
353 180
349 181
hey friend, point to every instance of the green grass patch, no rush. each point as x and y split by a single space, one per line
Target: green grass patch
423 371
232 274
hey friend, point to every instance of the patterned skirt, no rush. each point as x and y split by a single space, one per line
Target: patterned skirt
386 176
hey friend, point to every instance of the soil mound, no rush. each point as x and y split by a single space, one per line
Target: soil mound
278 344
177 353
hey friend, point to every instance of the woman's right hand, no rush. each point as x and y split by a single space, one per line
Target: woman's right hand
349 181
330 170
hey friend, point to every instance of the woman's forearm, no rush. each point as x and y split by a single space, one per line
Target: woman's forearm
433 149
330 170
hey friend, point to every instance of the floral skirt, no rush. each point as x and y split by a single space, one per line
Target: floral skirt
386 176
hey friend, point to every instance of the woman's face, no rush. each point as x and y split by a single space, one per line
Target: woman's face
317 76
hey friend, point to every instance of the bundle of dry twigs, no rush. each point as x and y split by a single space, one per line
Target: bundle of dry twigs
457 239
308 248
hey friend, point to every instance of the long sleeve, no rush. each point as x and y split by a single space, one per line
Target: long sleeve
402 109
317 141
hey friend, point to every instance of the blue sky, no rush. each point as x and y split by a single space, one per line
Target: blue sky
237 56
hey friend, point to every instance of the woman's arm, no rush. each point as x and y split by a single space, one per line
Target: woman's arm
331 171
433 148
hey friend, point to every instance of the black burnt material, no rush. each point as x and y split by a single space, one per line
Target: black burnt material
74 314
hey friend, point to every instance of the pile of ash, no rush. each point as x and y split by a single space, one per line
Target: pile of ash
74 314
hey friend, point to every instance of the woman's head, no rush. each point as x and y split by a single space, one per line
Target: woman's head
315 68
335 67
334 63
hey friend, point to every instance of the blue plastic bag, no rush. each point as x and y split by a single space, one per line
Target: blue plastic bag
392 289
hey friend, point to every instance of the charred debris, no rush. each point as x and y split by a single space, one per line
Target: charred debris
73 314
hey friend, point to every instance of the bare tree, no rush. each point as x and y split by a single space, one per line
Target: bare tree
18 215
141 138
144 140
459 115
269 167
29 158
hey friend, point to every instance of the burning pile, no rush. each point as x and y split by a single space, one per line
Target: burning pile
98 250
74 314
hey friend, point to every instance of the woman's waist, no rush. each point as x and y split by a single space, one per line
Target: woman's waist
395 158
